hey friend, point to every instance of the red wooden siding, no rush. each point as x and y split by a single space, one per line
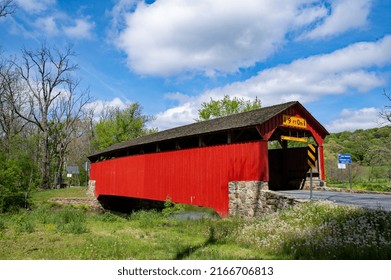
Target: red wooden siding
196 176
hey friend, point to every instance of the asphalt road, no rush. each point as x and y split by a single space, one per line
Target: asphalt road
373 201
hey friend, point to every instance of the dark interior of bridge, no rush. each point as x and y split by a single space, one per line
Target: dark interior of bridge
288 168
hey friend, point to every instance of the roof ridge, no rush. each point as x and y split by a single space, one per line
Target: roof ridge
239 120
232 115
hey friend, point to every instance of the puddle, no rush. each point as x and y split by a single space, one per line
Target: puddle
192 215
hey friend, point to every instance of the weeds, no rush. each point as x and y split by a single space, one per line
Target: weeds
103 248
2 225
363 236
323 231
24 223
67 220
153 217
307 231
70 221
109 217
147 218
171 208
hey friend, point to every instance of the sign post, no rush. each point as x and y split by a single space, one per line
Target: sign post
343 160
311 160
72 169
87 169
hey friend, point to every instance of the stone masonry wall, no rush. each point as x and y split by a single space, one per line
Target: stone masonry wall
91 188
253 198
90 201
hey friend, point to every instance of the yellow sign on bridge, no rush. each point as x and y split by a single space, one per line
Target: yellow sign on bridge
297 139
292 121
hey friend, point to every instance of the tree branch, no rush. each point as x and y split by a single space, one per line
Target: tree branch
386 112
7 7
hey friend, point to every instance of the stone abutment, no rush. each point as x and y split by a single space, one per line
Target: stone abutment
253 199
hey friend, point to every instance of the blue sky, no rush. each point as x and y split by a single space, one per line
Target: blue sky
171 55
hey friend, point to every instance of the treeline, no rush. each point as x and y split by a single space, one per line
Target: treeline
370 150
48 122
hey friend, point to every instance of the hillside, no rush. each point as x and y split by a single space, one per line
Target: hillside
370 150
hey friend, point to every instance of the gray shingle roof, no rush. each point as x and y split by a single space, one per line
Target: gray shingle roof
241 120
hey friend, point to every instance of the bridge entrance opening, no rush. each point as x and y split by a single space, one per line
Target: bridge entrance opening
287 153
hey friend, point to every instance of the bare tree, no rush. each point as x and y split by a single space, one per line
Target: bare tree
47 76
67 125
386 115
386 112
8 81
10 90
7 7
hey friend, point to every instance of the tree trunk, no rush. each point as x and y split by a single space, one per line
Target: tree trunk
46 161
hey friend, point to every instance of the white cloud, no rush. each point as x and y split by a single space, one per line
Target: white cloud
352 68
100 106
351 120
170 37
43 18
180 115
47 25
35 6
344 15
81 29
119 11
311 78
114 103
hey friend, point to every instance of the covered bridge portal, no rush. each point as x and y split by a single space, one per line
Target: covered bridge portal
194 164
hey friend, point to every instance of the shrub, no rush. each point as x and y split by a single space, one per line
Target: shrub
13 195
171 208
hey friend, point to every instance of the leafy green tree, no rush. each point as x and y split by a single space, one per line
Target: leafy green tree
226 106
13 191
121 125
370 150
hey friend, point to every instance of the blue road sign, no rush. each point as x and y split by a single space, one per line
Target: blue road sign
71 169
344 159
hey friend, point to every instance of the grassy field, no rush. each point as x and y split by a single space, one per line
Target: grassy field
375 186
307 231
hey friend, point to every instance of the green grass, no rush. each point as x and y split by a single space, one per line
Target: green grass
43 196
376 186
307 231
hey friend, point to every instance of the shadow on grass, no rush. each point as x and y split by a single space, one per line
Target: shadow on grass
186 252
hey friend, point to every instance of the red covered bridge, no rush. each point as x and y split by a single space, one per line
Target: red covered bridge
194 164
